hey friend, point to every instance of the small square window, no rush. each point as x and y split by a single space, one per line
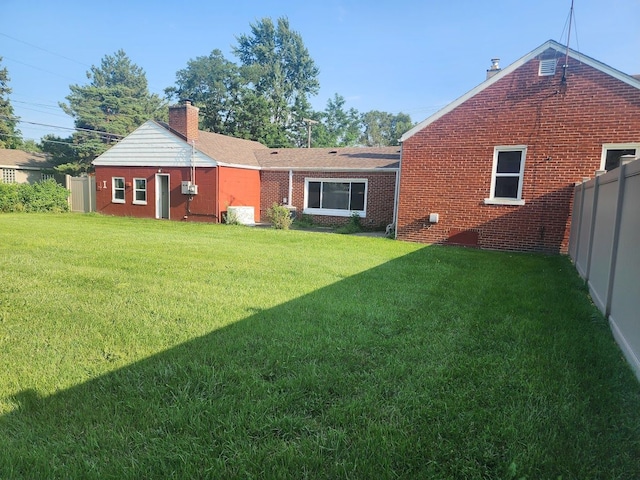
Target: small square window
611 153
8 175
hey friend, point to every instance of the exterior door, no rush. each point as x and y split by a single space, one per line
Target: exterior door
162 196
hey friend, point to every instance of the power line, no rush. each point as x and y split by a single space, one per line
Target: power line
45 50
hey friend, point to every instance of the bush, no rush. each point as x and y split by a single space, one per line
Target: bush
354 225
45 196
279 216
231 217
304 221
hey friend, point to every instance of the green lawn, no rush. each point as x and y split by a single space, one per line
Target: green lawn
144 349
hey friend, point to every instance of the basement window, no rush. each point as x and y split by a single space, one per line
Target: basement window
507 176
337 197
117 190
140 191
611 153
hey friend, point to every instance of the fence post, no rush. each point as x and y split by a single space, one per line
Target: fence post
616 229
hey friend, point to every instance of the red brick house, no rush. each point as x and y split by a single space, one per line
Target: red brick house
331 183
177 172
496 168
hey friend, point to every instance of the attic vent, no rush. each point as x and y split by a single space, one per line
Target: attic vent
547 67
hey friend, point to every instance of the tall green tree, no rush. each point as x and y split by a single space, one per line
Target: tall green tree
383 128
279 68
215 85
10 136
114 103
338 127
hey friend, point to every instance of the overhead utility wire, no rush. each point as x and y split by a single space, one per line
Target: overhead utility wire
45 50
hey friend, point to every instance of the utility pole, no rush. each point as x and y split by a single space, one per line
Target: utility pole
309 122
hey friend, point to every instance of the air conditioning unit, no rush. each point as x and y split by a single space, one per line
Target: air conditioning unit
189 188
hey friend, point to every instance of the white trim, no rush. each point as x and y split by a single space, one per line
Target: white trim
628 79
493 200
114 189
331 169
145 190
617 146
330 211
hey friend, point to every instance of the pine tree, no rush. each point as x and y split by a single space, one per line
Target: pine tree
10 136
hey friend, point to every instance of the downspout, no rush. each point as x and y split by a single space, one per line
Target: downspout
396 199
290 188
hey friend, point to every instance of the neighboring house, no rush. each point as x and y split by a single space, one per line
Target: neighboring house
496 168
330 184
177 172
18 166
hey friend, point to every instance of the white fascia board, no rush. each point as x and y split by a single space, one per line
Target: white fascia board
628 79
237 165
321 169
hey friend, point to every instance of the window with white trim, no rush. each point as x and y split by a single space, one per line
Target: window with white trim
611 153
48 176
339 197
117 189
508 175
140 191
8 175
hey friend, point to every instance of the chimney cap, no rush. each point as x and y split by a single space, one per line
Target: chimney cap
186 101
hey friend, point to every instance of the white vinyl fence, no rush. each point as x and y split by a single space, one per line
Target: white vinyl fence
83 193
605 248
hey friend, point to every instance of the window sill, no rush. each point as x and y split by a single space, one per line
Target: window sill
117 201
139 203
334 212
503 201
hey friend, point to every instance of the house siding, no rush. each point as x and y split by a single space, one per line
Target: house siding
446 167
240 187
201 207
380 194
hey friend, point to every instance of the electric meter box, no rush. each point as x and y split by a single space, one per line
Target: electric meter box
189 188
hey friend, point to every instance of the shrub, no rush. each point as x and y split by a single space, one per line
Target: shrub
304 221
45 196
354 225
230 217
279 216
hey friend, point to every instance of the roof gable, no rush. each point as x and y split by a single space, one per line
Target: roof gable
549 45
151 145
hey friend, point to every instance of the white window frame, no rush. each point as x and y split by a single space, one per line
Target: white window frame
114 189
331 211
493 200
617 146
136 190
48 176
8 175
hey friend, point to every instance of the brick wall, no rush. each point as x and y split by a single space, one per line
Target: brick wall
200 207
184 120
447 166
380 194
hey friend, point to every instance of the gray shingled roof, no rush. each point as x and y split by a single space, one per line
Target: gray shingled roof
22 159
342 158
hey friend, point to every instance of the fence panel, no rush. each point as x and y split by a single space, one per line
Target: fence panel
83 193
604 248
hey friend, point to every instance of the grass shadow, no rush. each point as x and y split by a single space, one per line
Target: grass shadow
444 363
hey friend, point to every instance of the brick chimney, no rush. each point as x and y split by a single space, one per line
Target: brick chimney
183 119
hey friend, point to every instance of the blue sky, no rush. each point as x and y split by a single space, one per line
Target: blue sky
396 56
